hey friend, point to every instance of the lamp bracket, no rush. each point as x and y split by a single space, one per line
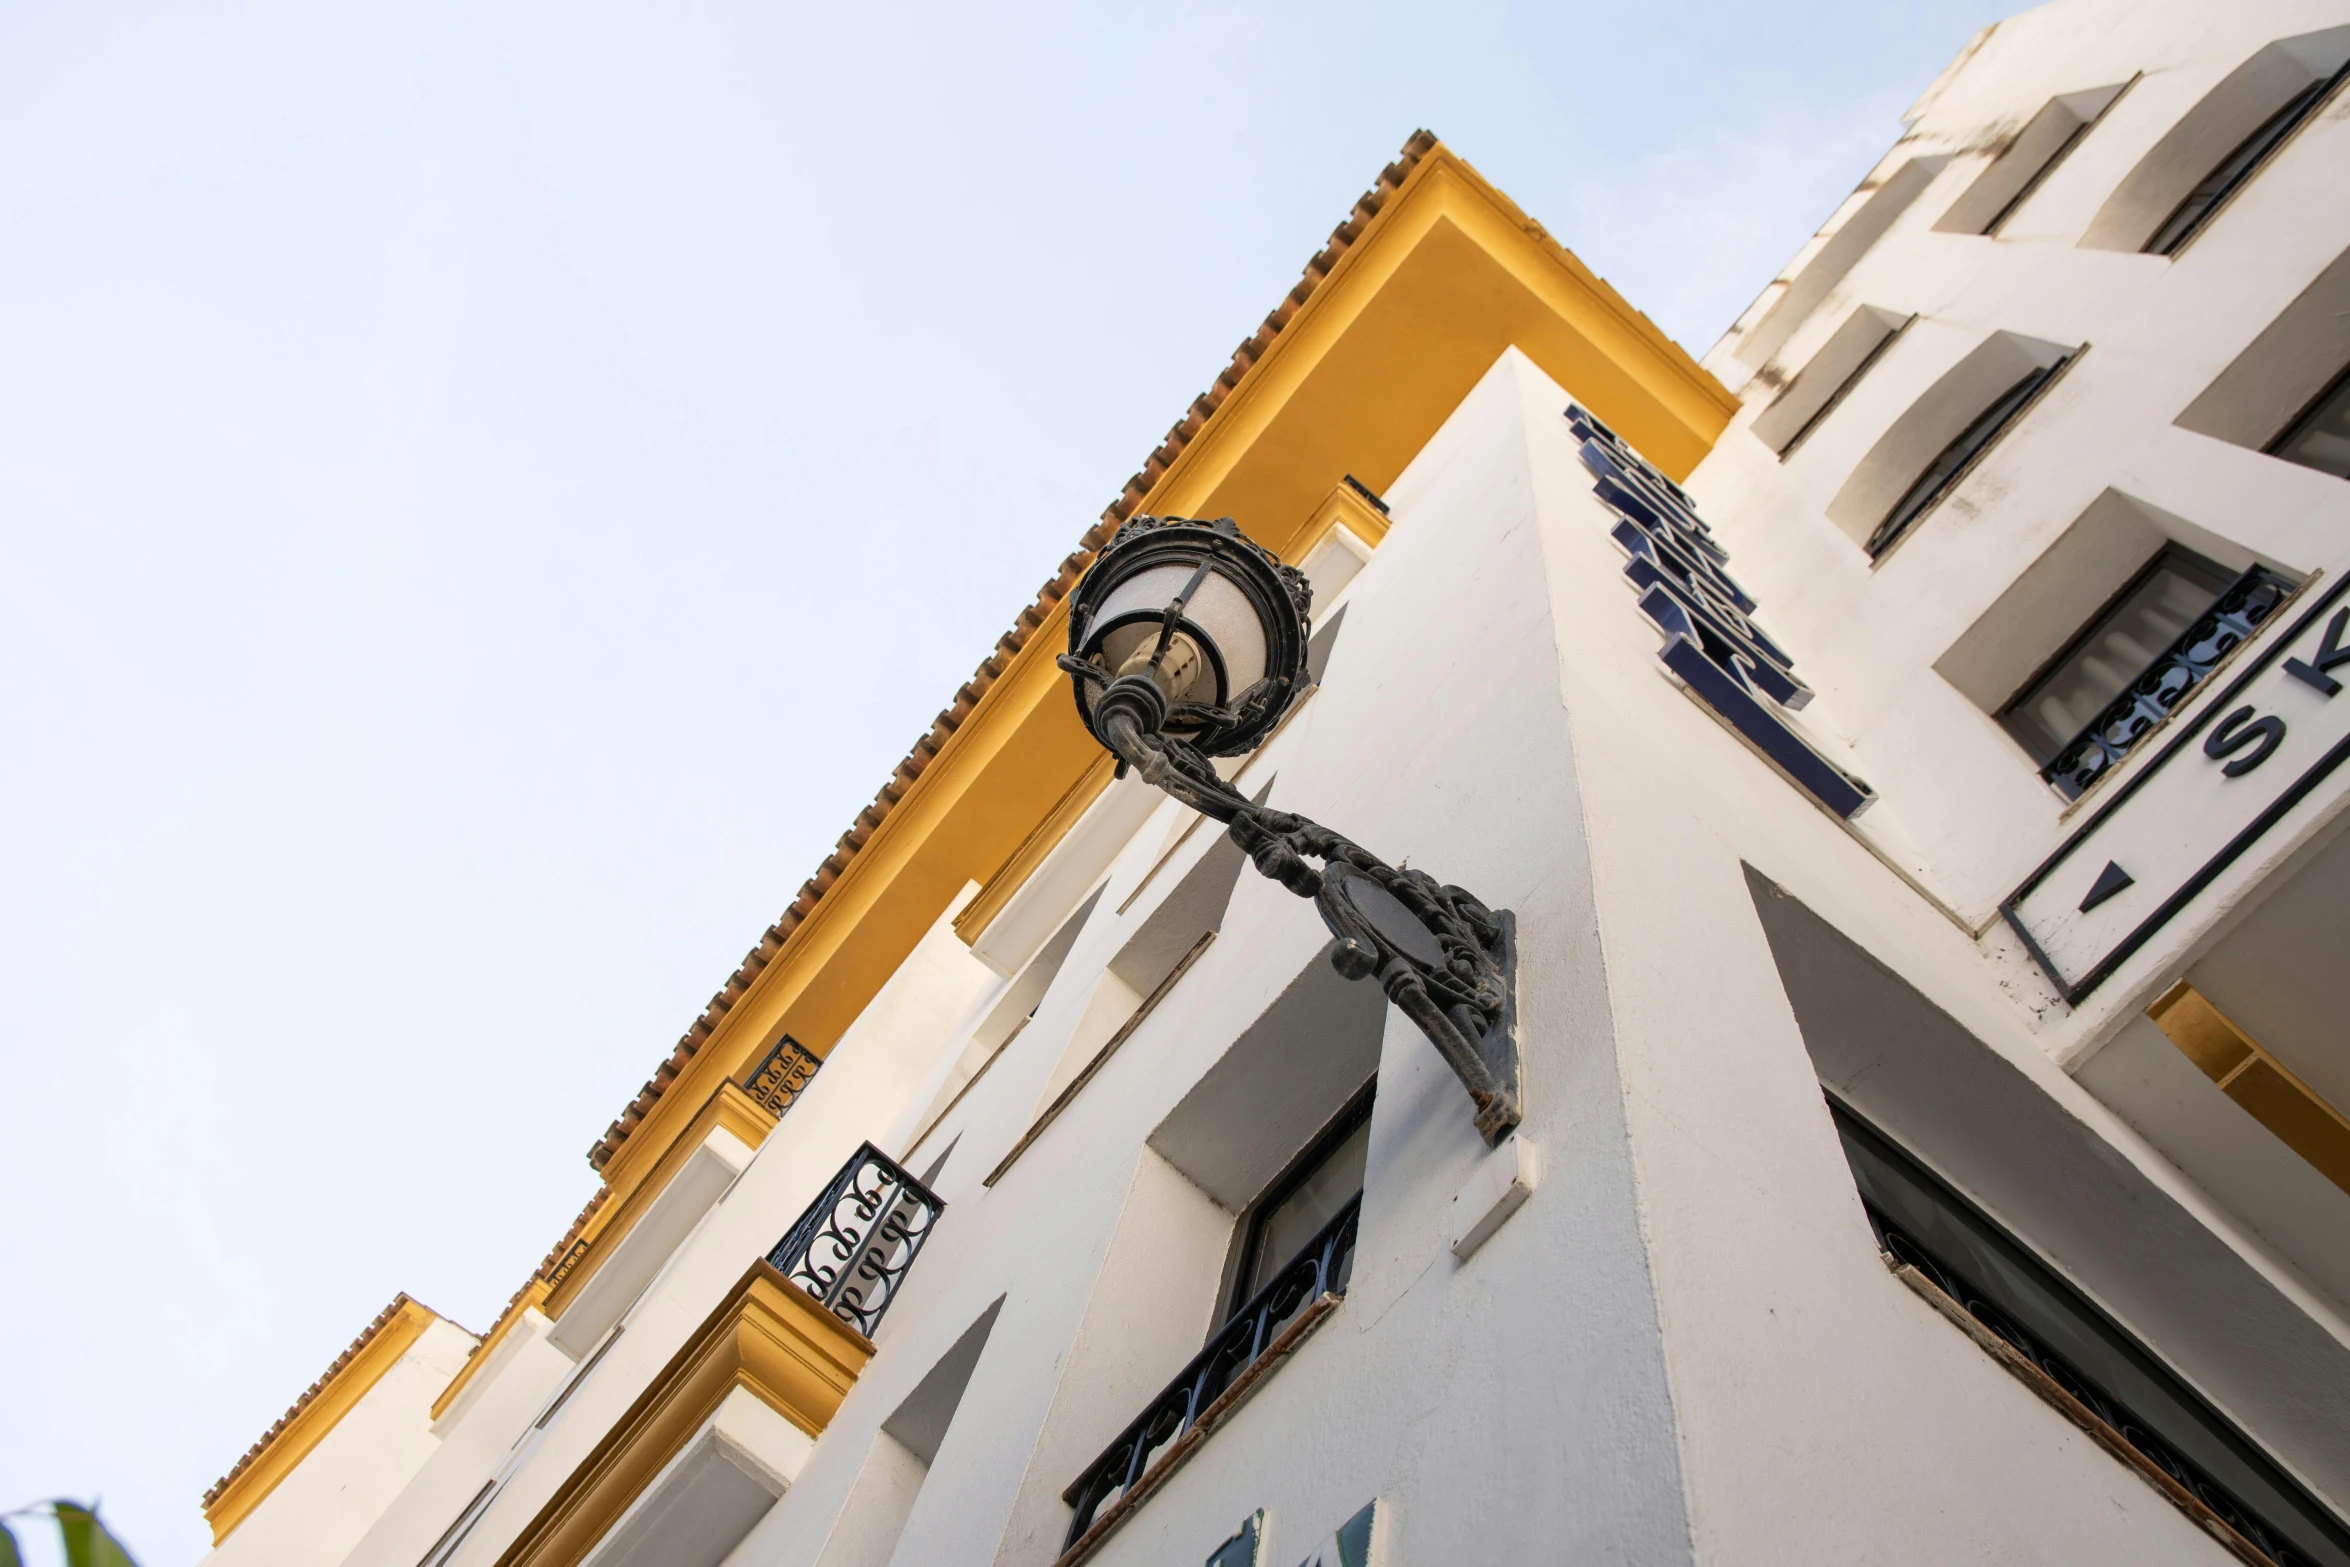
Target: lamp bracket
1445 960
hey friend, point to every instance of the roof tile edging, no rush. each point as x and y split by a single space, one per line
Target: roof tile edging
925 749
383 1319
943 727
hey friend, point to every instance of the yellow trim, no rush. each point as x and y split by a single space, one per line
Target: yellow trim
1447 276
766 1336
730 1106
533 1294
308 1427
1015 871
2264 1086
1343 504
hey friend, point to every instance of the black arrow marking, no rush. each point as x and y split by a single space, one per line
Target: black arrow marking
2110 880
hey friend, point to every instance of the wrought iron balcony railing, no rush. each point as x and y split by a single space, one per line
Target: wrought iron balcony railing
779 1078
1205 1390
852 1248
2230 622
2262 1531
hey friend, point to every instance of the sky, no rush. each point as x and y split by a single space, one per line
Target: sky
489 491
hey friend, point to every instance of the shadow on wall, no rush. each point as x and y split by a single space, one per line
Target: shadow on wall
2009 1146
2219 124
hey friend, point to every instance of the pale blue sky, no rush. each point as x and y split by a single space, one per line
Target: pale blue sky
486 495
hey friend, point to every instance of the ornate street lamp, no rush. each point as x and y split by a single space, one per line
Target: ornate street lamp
1186 642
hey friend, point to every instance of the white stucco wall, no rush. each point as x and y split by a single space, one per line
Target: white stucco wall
319 1511
1684 1346
1962 809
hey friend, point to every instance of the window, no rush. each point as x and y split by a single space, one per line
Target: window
524 1447
1942 474
2128 635
454 1536
2046 140
872 1521
2203 202
2038 176
1848 354
1301 1202
2284 393
1320 646
1867 218
1004 1021
1294 1257
1142 974
1997 1281
2320 437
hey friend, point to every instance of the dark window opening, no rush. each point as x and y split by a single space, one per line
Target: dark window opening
2133 630
2202 204
1951 464
1301 1202
1304 1225
2216 614
2320 436
1999 1282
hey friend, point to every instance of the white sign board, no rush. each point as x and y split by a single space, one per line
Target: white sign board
2254 752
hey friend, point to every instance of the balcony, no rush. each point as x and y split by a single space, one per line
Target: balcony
2240 610
724 1429
850 1251
1259 1336
778 1079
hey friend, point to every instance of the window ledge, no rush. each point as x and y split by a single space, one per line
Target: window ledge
2080 1414
1217 1413
1101 1057
1966 470
730 1108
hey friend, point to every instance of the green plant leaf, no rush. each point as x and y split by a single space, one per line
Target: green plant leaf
8 1552
87 1542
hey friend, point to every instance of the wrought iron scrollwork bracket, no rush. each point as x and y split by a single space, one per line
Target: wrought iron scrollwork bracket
1444 959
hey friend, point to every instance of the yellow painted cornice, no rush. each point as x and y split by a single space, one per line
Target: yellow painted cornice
728 1106
1014 873
1344 504
533 1294
797 1358
1439 282
1451 273
321 1409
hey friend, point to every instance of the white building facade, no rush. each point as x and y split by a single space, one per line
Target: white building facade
1921 828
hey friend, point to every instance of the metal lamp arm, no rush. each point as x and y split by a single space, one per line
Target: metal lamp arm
1460 994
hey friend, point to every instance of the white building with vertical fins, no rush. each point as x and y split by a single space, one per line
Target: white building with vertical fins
1910 746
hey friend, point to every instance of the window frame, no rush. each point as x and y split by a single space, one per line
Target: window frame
1242 1258
2039 177
2266 142
1926 492
2002 1310
2299 424
1852 379
2064 149
2201 566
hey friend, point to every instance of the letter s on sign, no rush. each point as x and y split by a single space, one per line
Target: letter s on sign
2232 734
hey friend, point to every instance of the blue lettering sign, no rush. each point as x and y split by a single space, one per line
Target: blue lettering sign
1712 646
